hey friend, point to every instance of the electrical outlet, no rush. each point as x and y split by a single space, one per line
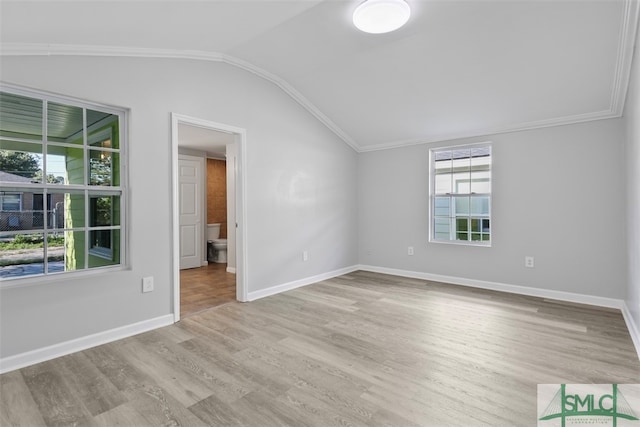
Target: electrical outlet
147 284
410 250
305 255
528 261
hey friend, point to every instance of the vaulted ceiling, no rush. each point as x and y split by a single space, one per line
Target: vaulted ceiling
458 68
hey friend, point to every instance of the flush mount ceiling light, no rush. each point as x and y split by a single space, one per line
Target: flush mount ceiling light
381 16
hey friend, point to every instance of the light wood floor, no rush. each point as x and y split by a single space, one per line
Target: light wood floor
205 287
362 349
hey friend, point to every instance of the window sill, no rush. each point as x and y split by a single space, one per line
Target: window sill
461 243
64 277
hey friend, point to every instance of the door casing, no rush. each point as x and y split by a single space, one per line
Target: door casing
240 204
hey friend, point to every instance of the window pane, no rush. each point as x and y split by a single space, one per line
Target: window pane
461 183
101 239
103 168
485 226
442 206
104 210
21 209
22 165
74 254
64 123
442 172
105 248
476 236
443 184
462 205
103 129
442 228
442 155
21 255
461 169
65 165
462 236
66 209
481 170
56 166
20 117
480 205
475 225
462 224
55 252
480 183
461 154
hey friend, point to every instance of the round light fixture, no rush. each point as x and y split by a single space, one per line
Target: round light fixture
381 16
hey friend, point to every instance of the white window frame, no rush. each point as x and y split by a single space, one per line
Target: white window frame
453 195
45 188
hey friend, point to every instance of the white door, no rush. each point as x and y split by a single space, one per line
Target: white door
190 210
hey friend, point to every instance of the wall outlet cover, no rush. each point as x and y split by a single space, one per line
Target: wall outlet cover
147 284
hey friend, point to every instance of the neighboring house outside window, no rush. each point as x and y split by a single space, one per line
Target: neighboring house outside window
460 202
62 158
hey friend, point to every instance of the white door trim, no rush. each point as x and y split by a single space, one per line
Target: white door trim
241 214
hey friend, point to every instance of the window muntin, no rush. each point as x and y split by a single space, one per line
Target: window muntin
62 158
461 194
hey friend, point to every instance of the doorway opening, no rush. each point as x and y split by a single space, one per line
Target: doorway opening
204 273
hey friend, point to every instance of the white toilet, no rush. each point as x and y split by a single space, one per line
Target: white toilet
219 245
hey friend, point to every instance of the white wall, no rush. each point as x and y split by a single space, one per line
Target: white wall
557 196
300 189
632 155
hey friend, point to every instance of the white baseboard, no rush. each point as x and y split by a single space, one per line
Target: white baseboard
299 283
231 270
18 361
502 287
631 325
523 290
28 358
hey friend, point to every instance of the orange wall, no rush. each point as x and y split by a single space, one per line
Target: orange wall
217 194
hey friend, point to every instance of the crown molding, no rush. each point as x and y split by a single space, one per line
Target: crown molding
475 133
620 84
624 60
42 49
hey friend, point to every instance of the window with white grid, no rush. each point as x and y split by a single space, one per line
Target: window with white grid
62 189
460 201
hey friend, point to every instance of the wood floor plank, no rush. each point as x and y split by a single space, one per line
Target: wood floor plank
205 287
147 402
157 407
89 385
56 402
17 407
363 349
176 377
